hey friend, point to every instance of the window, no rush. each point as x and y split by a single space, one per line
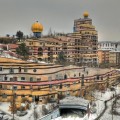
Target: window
5 78
1 69
4 95
97 77
15 78
30 43
38 79
52 96
0 86
30 95
22 96
11 79
60 86
25 69
14 87
38 87
31 79
1 78
22 78
22 87
56 77
50 86
19 69
34 70
11 70
50 78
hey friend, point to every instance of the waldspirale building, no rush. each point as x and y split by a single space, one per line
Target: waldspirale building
79 47
47 82
41 81
86 41
25 80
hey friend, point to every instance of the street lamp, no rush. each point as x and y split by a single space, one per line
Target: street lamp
112 88
82 82
14 96
49 79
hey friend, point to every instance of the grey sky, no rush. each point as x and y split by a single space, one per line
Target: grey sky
59 15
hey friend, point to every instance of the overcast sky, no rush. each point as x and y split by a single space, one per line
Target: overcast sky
59 15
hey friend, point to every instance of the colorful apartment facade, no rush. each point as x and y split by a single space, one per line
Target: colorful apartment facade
114 58
86 41
108 52
28 80
79 47
103 56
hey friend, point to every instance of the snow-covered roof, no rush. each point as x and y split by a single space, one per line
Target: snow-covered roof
71 100
115 51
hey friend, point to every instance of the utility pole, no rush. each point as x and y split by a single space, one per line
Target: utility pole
14 96
112 112
82 83
34 107
13 104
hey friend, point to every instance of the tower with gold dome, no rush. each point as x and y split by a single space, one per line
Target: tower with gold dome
37 29
86 40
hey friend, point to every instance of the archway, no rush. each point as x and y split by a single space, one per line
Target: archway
40 59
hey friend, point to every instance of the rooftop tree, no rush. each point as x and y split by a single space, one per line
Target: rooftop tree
19 35
23 51
62 58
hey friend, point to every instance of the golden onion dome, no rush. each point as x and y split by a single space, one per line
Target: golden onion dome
37 27
86 14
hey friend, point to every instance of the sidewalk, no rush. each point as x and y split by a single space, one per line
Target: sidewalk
4 108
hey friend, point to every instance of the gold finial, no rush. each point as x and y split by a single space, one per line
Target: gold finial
85 14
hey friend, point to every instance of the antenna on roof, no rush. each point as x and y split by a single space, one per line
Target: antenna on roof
50 32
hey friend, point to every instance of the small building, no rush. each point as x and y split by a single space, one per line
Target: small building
103 56
114 58
109 45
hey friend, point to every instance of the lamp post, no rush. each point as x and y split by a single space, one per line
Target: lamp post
13 105
112 102
49 79
34 108
82 83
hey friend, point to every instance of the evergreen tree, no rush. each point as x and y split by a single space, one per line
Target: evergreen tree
51 56
23 51
19 35
7 35
62 58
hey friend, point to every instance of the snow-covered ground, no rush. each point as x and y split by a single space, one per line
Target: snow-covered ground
99 100
5 108
107 115
34 110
